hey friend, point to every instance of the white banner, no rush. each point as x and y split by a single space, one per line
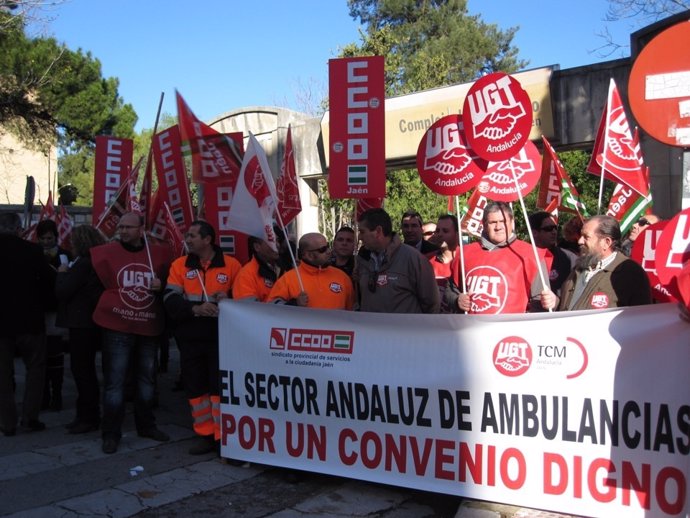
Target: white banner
585 413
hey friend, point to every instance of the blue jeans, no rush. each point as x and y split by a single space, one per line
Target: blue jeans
122 351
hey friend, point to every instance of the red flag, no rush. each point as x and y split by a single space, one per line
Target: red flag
615 151
65 224
289 204
132 196
112 166
118 205
48 210
146 190
366 204
172 177
215 157
175 237
473 213
556 185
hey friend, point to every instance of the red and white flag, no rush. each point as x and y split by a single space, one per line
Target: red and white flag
216 158
473 213
113 162
118 205
175 237
287 189
254 201
557 187
65 224
616 152
173 188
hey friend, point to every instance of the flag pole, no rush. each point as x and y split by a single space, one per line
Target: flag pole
529 230
292 254
460 244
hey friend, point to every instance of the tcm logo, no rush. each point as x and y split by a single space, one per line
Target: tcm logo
312 340
512 356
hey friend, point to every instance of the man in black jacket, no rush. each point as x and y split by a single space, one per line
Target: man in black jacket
28 282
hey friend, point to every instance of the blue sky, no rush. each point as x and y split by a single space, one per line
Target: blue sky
227 54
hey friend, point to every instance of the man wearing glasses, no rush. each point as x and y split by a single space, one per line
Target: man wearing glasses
325 286
559 262
638 227
389 276
131 313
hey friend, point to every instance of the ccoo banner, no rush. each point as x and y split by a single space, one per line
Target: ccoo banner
584 412
357 144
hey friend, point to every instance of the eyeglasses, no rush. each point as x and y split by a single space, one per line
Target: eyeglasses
429 233
643 222
550 228
320 250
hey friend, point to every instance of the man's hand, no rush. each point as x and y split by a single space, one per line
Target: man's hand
156 284
464 302
302 299
549 300
207 309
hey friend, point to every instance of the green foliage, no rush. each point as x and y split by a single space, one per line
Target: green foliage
52 95
405 191
427 44
431 43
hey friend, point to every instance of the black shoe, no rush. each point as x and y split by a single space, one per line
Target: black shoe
155 434
34 425
8 432
73 423
109 445
83 427
56 403
205 444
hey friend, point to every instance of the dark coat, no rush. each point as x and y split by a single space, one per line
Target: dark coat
26 287
77 291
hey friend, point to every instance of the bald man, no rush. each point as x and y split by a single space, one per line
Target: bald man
324 286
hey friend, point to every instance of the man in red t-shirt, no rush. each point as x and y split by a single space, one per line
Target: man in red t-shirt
501 272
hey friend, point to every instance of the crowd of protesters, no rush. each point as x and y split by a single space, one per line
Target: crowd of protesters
128 296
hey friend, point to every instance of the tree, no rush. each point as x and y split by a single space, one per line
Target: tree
427 44
431 43
640 13
51 95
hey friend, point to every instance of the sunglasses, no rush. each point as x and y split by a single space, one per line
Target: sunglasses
320 250
429 233
550 228
643 222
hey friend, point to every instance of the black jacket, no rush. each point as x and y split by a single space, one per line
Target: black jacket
27 286
77 291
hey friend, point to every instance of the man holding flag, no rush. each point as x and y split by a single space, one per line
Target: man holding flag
130 311
197 282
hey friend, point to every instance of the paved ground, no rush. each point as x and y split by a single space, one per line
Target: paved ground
55 474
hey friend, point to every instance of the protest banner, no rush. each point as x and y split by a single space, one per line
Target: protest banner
583 412
113 163
357 143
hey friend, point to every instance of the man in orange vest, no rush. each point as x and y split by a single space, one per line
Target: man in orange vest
323 286
196 283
